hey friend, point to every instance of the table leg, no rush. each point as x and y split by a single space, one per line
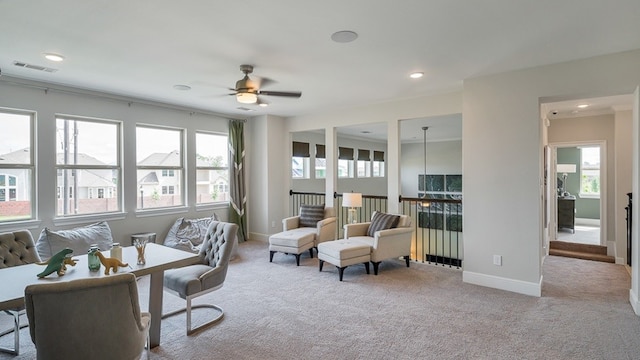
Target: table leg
155 307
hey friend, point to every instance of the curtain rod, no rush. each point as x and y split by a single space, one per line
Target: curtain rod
69 90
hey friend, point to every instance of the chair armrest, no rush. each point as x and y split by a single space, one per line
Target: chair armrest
326 229
391 243
213 277
358 229
290 223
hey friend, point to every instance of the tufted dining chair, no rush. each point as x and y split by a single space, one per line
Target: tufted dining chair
95 318
208 275
16 248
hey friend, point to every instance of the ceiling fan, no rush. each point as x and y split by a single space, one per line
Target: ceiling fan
247 90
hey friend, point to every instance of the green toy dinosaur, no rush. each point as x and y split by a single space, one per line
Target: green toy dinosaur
57 263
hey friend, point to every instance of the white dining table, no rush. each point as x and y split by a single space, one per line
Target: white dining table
13 280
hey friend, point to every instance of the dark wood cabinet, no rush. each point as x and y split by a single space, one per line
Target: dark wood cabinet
567 213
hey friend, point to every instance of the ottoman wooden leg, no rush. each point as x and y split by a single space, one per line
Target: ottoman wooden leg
375 267
320 263
366 266
341 271
406 259
271 255
298 259
311 252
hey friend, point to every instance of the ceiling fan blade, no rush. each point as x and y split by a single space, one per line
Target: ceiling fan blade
280 93
264 82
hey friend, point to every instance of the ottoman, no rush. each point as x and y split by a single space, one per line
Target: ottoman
294 241
343 253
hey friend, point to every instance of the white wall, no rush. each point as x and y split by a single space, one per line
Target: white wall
443 157
130 112
503 161
622 185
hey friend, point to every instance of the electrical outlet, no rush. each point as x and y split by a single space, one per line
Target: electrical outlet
497 260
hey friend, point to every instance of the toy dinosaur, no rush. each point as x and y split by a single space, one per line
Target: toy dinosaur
110 263
57 263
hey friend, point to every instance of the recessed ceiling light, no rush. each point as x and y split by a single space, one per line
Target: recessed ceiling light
582 106
53 57
344 36
416 75
263 104
182 87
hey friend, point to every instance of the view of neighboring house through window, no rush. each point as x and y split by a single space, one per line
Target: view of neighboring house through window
212 168
378 164
364 163
160 167
87 166
16 165
321 162
300 162
345 162
590 172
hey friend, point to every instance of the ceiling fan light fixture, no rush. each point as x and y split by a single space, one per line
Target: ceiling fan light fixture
246 97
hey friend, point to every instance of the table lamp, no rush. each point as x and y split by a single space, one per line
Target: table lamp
352 201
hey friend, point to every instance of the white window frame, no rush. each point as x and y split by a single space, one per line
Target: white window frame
160 168
213 168
75 168
28 167
584 169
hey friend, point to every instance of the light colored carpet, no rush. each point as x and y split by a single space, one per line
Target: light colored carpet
280 311
583 234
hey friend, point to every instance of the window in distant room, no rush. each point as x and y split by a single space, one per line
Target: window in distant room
364 163
212 168
160 167
300 160
590 172
87 158
378 164
345 162
17 170
321 162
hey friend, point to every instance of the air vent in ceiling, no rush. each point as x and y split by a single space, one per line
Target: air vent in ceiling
245 109
33 67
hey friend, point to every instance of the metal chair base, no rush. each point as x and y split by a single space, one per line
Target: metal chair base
16 332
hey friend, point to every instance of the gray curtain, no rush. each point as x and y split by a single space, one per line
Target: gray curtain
236 178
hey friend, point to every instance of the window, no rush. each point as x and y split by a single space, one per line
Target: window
590 172
321 162
378 164
212 168
300 160
364 163
87 157
159 152
17 171
345 162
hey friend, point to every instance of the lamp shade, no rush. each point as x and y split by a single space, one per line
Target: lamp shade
566 168
352 200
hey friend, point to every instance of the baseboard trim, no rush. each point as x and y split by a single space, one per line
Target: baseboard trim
587 222
496 282
259 237
633 299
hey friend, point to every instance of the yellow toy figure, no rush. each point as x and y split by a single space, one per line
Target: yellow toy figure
110 263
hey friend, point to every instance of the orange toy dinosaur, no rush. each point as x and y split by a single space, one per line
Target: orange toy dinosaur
110 263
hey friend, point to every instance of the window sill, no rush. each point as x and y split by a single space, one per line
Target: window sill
83 219
589 196
161 211
19 225
212 206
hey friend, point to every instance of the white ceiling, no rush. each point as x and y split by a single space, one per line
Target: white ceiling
144 48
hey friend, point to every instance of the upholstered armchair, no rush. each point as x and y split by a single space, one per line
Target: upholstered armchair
16 248
324 229
192 281
392 241
94 318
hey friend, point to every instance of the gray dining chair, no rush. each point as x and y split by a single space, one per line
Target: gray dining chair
92 318
208 275
16 248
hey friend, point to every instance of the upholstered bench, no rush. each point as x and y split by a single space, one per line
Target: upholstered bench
294 241
343 253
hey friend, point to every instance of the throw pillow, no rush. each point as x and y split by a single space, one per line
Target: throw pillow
78 239
187 234
311 214
382 221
